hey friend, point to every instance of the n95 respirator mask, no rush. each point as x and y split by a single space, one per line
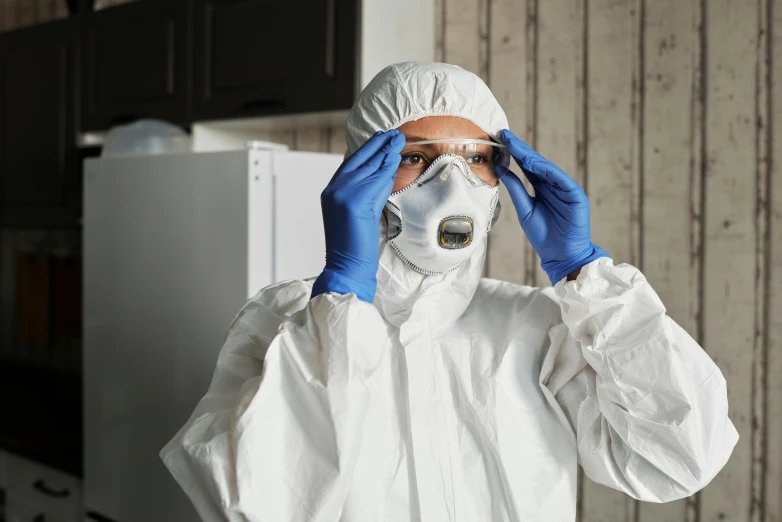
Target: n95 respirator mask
437 222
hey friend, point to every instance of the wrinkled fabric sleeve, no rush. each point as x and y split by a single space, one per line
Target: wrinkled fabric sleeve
277 435
648 407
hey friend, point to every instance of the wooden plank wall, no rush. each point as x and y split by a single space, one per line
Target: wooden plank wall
671 183
772 490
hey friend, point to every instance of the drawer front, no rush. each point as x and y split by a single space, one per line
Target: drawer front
21 509
53 490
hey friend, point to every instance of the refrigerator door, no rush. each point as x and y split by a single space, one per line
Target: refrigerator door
299 179
166 269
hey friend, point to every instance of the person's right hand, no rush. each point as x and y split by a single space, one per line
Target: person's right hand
352 204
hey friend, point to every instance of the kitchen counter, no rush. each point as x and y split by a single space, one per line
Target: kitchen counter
41 415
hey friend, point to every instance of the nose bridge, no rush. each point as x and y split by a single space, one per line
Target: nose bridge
455 165
459 162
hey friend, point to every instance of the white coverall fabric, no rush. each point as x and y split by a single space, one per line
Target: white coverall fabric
409 91
452 399
455 400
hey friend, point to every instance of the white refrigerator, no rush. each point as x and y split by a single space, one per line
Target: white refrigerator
173 247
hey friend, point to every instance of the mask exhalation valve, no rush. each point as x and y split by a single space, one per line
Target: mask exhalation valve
455 232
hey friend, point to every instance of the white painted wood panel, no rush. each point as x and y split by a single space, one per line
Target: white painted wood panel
312 140
762 246
610 182
8 11
4 11
284 136
462 34
336 140
729 227
439 24
611 171
508 247
533 273
60 9
25 13
773 456
393 32
671 178
559 104
44 10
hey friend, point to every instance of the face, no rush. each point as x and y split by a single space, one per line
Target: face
429 128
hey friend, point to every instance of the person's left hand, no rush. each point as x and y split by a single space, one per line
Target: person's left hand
556 219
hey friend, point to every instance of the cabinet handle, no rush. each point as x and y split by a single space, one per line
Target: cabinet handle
331 43
98 517
258 105
41 486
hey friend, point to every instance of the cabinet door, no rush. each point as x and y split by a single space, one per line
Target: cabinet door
136 63
39 171
259 57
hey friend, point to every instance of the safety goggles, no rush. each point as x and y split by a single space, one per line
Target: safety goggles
482 156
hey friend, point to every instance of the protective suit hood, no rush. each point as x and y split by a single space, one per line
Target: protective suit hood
406 92
410 91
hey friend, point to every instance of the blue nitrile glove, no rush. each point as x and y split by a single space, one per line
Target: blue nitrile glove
352 204
556 219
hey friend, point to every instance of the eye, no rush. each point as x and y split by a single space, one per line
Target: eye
478 159
413 159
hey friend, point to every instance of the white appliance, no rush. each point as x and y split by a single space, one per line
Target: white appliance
173 247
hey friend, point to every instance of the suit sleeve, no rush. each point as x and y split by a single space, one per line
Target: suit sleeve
648 406
278 433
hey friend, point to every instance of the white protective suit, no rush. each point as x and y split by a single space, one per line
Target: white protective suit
453 398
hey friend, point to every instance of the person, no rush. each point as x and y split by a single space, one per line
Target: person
401 386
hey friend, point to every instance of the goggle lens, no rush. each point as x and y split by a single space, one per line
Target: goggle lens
482 156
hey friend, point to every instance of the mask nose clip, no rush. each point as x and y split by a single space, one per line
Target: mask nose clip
455 232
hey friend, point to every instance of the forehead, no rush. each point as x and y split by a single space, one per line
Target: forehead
433 127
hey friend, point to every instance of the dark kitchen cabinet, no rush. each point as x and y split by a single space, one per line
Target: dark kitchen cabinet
40 182
137 63
264 57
